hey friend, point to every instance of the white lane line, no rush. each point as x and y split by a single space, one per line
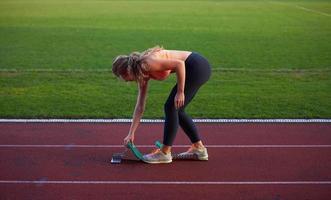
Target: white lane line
143 146
161 120
314 11
170 182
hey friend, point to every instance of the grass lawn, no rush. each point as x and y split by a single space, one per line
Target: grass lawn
270 59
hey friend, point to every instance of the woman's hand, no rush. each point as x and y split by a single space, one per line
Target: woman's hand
128 139
179 100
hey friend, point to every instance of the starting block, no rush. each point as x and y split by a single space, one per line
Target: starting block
135 151
118 157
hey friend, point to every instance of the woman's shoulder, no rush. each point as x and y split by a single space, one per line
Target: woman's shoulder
170 54
176 54
154 58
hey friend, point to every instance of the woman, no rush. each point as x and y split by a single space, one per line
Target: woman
192 71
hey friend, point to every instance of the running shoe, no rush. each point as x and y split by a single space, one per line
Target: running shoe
194 153
157 156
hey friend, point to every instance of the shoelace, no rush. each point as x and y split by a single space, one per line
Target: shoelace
155 153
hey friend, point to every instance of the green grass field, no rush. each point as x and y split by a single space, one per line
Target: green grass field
270 59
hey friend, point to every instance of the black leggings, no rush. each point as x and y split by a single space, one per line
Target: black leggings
198 71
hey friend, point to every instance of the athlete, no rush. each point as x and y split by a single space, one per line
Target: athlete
192 71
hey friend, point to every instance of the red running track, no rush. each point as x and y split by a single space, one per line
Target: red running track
292 171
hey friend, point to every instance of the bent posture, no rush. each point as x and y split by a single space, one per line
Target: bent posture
192 71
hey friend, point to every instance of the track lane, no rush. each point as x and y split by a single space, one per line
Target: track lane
147 133
165 192
225 164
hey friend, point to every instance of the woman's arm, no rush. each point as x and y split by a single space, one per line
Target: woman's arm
138 111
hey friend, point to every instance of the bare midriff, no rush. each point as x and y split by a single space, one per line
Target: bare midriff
168 54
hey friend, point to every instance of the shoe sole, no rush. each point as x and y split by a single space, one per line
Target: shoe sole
158 162
194 157
203 158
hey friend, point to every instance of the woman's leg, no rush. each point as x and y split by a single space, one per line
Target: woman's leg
185 121
188 127
174 117
198 72
171 119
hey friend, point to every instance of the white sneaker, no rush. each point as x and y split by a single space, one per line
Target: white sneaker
199 153
157 156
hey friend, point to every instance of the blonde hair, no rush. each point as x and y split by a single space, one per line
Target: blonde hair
134 64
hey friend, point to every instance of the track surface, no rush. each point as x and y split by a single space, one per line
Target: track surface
244 162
